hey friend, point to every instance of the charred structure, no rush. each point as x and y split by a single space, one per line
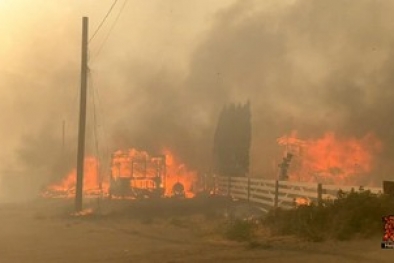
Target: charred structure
137 176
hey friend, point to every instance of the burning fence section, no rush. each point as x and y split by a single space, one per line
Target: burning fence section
332 160
133 173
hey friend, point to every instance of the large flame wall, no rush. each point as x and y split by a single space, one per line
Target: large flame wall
331 159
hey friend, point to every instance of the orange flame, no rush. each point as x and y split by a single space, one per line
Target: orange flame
67 186
299 201
330 159
178 172
130 163
139 164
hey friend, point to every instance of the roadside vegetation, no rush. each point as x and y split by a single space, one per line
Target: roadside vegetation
351 215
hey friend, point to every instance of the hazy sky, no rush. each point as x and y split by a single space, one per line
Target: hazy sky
169 67
40 51
40 61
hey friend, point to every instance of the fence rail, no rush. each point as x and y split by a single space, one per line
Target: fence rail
273 194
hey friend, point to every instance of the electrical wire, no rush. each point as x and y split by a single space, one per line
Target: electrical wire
96 104
103 21
111 29
97 111
95 133
105 135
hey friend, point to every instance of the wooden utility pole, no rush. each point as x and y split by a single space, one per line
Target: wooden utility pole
82 116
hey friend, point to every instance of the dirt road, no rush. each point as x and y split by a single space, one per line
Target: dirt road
41 232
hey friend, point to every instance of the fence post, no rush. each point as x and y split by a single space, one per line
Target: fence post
228 186
319 194
248 189
276 195
215 185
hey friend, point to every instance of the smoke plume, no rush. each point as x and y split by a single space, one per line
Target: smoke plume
310 66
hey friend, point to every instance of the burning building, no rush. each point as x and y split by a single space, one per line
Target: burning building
137 174
133 174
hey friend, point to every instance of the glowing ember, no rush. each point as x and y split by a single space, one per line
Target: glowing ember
299 201
330 159
84 212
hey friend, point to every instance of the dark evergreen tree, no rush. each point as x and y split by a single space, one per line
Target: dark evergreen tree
232 141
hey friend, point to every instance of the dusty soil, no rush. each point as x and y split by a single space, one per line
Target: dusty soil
44 231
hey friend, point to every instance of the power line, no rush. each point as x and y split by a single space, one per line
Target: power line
100 112
102 22
95 134
94 124
96 112
103 123
111 29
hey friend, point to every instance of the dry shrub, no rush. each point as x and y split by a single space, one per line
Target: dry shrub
354 214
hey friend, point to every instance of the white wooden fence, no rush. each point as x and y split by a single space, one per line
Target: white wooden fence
273 194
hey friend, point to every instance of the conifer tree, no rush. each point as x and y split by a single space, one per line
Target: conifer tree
232 141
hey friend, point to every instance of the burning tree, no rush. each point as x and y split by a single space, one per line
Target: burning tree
232 141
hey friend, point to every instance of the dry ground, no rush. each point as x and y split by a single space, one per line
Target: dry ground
44 232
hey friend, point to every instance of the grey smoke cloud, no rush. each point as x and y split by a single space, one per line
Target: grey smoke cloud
311 66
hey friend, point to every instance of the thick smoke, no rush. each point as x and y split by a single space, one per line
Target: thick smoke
310 66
